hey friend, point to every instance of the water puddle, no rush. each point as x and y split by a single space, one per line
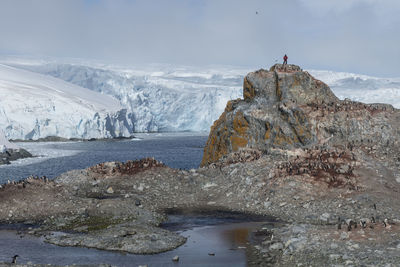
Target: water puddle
212 241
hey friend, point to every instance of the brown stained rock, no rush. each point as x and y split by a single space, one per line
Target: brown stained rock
217 145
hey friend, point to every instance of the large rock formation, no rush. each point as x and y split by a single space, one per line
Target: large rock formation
287 108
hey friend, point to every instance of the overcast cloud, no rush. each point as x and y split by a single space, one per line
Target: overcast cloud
359 36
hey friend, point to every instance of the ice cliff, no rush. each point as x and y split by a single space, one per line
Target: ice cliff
33 106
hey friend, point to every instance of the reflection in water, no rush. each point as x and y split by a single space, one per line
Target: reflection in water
237 236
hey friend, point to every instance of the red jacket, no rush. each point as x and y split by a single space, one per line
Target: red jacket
285 58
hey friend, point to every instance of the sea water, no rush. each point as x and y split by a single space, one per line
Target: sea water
177 150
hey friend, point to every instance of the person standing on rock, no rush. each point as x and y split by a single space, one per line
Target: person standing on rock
285 58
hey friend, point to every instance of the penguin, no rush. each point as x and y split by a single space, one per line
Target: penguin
374 206
14 259
386 223
372 219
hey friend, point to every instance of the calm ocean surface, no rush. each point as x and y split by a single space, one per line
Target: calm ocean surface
177 150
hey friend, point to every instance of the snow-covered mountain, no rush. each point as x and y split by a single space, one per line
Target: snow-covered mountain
33 105
153 98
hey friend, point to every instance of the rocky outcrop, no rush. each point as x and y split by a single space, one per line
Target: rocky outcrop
286 108
13 154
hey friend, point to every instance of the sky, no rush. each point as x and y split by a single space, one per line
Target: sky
360 36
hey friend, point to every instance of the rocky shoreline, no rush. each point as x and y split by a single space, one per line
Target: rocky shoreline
328 170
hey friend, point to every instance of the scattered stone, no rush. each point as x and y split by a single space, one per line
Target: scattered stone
325 217
334 257
276 246
110 190
344 235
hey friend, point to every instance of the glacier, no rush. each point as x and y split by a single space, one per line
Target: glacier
158 98
154 98
34 106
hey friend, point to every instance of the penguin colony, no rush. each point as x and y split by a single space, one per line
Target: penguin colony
128 168
363 223
332 166
25 182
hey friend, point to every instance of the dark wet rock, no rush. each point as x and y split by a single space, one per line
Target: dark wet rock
13 154
127 237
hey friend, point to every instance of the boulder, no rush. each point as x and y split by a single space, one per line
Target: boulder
9 155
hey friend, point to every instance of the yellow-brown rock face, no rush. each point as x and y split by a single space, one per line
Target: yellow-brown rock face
270 115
